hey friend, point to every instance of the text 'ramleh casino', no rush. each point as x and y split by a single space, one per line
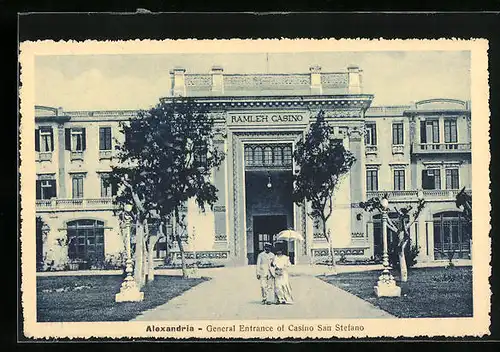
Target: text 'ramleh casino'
399 150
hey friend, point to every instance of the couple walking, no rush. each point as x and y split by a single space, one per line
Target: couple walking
272 272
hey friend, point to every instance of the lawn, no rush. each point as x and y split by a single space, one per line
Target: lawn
92 298
429 292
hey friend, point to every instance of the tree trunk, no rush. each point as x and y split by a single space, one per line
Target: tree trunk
151 268
139 254
333 265
403 268
183 256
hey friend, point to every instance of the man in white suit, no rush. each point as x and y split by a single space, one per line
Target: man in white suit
264 275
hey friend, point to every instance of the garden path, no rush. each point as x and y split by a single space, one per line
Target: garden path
234 293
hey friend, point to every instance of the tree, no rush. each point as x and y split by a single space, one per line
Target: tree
401 225
322 162
464 201
167 158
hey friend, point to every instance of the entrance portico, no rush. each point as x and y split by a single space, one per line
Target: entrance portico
279 124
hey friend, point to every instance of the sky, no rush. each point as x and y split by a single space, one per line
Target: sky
137 81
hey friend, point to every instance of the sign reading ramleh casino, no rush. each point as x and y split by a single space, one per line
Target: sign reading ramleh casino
427 145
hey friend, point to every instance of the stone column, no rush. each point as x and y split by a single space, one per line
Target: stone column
413 138
220 208
355 79
316 87
217 80
356 181
178 82
61 176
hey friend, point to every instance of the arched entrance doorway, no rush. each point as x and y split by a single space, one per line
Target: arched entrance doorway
450 235
86 240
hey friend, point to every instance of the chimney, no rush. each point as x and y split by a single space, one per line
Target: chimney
217 80
355 79
178 82
315 79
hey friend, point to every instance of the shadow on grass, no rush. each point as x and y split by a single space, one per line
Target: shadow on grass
92 298
429 292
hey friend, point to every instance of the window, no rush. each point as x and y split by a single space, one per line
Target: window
278 156
86 240
451 235
399 180
452 181
200 156
248 156
397 134
431 179
450 131
287 155
107 190
77 183
45 189
44 139
105 138
257 154
371 134
268 156
429 131
75 139
371 180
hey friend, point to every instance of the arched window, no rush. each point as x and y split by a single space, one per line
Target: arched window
249 156
287 155
278 156
268 156
450 235
86 239
257 156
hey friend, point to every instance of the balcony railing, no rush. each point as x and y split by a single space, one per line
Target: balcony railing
441 147
105 154
44 156
412 195
74 204
76 155
371 149
398 149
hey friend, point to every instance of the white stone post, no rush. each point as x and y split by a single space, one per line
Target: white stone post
386 285
129 292
355 79
316 87
217 80
178 82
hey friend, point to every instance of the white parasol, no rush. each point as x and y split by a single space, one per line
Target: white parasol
289 235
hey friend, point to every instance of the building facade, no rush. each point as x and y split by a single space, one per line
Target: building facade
399 150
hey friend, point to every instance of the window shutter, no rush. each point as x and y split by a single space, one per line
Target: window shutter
374 142
38 189
37 140
51 139
394 133
101 138
424 180
435 132
423 132
53 188
84 142
67 138
437 179
109 138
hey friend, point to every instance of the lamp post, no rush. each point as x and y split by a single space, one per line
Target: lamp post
386 285
129 292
